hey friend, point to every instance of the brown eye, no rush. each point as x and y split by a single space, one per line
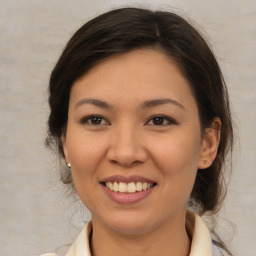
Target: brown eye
94 120
160 120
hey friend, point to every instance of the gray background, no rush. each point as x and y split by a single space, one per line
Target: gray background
35 214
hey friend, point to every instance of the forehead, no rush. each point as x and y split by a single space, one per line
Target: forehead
139 74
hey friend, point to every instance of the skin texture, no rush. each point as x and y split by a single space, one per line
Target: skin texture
128 141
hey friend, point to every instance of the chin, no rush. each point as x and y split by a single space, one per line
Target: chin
130 224
130 228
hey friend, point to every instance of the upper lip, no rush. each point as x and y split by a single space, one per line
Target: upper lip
120 178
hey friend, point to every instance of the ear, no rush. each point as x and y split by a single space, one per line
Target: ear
210 143
64 146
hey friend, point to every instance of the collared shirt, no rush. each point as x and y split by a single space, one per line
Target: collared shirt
201 244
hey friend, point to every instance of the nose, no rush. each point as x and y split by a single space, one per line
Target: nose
126 147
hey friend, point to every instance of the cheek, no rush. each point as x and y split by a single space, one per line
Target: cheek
177 152
177 160
85 154
178 170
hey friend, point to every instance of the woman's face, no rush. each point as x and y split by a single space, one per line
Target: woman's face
134 141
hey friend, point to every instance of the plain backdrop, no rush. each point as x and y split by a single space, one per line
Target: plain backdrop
35 214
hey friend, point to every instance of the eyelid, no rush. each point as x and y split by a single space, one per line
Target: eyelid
170 120
85 119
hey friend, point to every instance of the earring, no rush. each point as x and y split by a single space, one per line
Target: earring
69 165
205 161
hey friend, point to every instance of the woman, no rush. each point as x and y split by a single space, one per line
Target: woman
140 113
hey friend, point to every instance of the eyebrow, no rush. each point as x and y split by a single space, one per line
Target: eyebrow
156 102
98 103
146 104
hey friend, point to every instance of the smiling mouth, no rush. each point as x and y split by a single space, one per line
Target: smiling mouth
131 187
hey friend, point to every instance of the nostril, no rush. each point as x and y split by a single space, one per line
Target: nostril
126 152
125 164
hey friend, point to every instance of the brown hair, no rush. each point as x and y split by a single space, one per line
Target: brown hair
122 30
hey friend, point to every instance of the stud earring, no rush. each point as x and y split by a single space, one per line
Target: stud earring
205 161
69 165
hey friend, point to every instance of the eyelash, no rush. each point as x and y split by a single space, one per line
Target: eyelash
88 120
165 120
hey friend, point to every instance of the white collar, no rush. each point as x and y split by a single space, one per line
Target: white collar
201 239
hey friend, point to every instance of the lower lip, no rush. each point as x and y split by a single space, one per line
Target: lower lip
128 198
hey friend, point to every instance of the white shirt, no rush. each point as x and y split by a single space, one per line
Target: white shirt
201 244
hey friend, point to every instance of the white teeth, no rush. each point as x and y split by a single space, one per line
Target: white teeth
122 187
115 187
131 187
144 185
139 186
110 186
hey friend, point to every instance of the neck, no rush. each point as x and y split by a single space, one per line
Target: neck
168 239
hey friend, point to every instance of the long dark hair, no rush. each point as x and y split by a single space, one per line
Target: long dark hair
122 30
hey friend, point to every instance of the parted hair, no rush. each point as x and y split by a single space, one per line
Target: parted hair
122 30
